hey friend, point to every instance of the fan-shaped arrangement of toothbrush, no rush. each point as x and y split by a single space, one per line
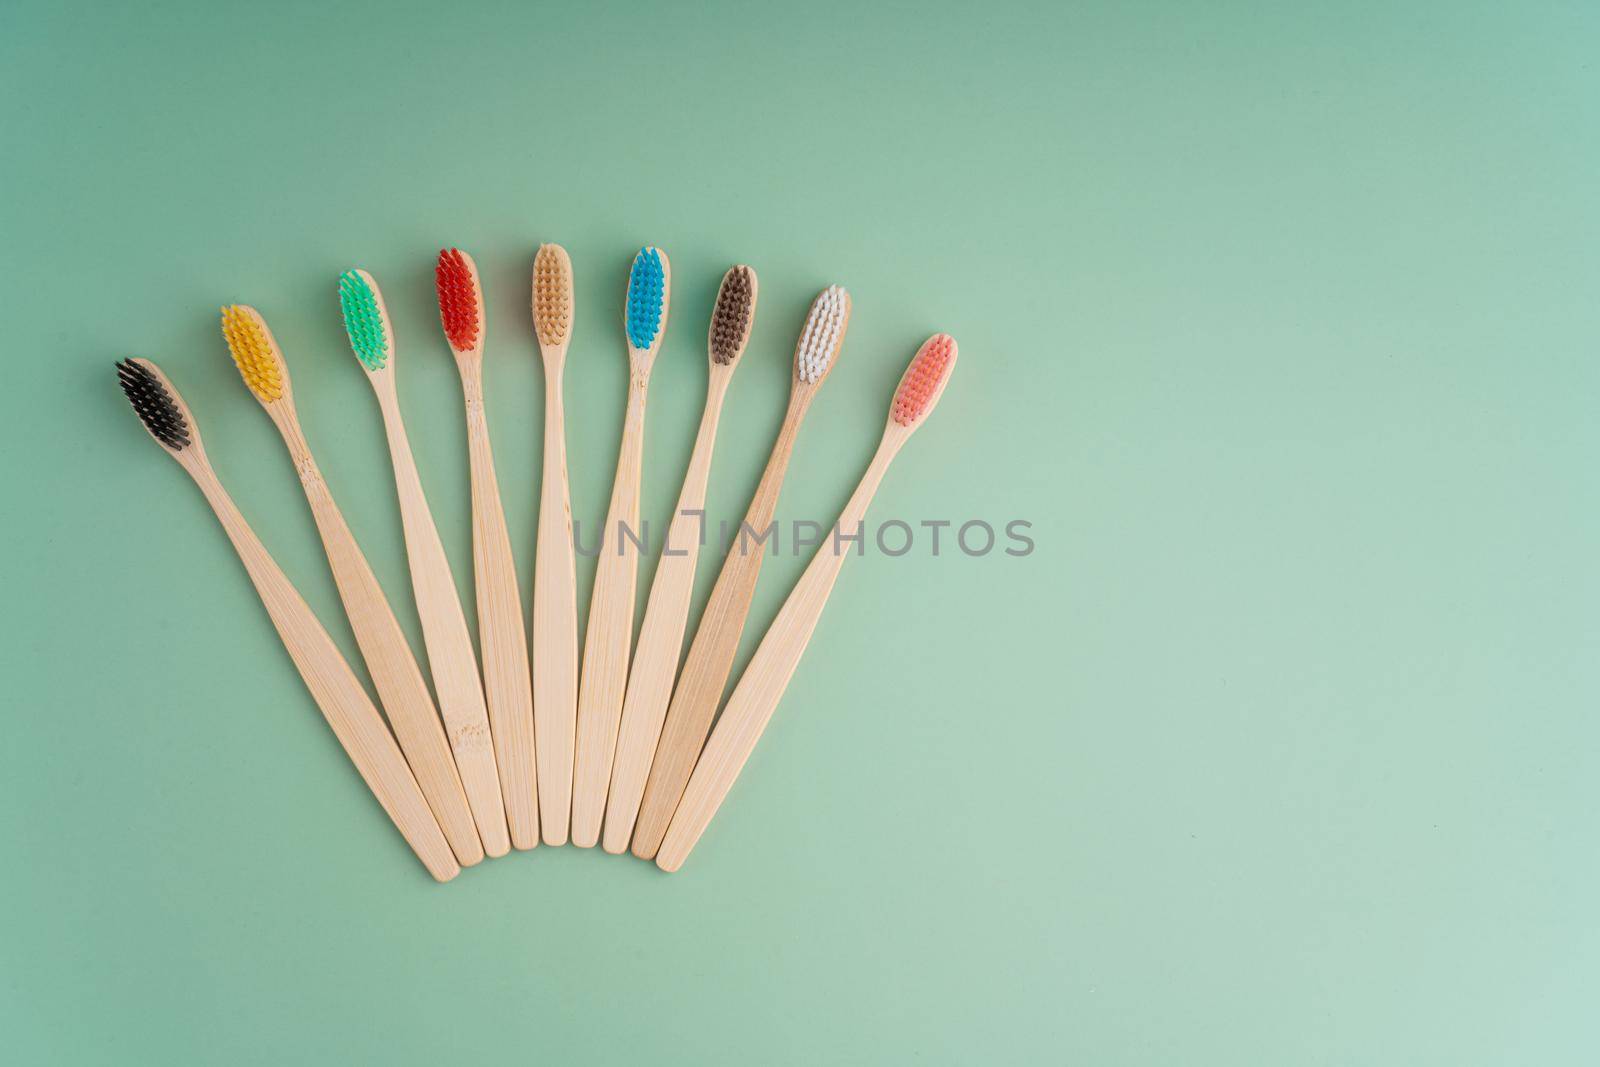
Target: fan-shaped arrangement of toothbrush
610 747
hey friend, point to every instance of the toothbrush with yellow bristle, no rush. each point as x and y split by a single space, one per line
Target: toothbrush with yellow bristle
342 700
760 689
555 581
444 626
506 680
666 613
610 632
394 670
716 642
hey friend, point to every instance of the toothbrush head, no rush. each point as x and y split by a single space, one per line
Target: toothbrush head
460 300
924 380
646 312
364 319
255 353
156 406
552 296
733 316
822 336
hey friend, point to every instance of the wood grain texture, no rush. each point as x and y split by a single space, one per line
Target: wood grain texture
711 653
451 659
394 670
756 696
655 659
507 684
333 685
555 618
609 635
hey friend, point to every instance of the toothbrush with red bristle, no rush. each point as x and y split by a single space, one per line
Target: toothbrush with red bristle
760 689
507 684
343 702
454 665
610 633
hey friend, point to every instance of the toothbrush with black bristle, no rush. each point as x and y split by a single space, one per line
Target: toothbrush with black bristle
666 613
344 703
761 687
610 630
507 684
393 668
456 681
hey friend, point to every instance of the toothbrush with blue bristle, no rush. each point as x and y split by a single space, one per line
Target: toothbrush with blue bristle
609 635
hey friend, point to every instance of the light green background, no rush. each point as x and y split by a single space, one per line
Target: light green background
1279 324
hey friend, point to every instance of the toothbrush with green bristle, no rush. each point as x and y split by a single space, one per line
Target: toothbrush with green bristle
444 626
610 632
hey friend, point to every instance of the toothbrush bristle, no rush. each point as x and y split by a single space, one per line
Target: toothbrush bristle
253 352
552 295
924 379
153 404
363 322
458 299
733 315
823 334
646 289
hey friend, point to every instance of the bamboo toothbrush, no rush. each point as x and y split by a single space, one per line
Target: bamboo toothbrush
666 613
555 582
711 653
383 645
333 685
506 681
444 627
605 646
756 696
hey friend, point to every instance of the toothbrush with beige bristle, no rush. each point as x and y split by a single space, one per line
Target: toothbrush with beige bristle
506 682
666 613
333 685
555 580
711 652
760 689
444 626
394 670
610 631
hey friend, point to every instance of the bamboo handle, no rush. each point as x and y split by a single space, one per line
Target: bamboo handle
610 633
555 627
756 696
344 704
394 670
666 614
711 652
449 645
506 681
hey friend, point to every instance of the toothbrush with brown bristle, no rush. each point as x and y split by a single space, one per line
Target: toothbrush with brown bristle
666 613
344 704
444 626
506 680
756 696
711 652
394 670
610 632
555 580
